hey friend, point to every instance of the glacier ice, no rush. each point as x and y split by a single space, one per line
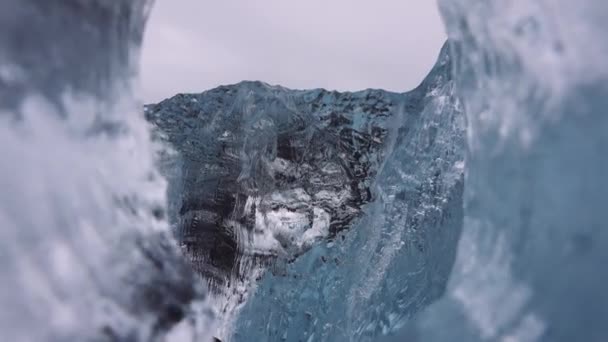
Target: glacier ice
345 194
533 78
85 249
312 215
259 174
264 171
396 259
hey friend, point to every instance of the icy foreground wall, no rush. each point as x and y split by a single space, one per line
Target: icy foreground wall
83 243
531 262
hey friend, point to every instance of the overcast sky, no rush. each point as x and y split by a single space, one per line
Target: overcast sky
195 45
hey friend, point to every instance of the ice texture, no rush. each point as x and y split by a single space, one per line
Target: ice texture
348 198
396 259
259 174
313 215
531 263
265 171
85 253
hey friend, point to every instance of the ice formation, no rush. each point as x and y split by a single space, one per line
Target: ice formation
260 175
533 78
264 171
312 215
85 250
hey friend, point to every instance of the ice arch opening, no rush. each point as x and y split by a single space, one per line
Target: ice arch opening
81 194
346 194
341 45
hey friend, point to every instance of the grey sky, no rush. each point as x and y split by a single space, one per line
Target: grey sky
195 45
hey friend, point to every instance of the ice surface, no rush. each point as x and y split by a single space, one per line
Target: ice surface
314 215
396 259
371 181
259 174
85 250
533 77
276 168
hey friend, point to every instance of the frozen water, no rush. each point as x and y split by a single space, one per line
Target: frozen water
371 181
259 174
397 258
313 215
85 250
533 77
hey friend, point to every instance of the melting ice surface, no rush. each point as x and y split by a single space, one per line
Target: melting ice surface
533 77
363 237
85 253
353 201
530 261
397 257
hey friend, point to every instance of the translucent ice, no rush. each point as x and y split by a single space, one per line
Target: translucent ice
85 250
352 199
533 77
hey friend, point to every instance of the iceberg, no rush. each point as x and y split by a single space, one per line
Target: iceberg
264 172
319 194
397 258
